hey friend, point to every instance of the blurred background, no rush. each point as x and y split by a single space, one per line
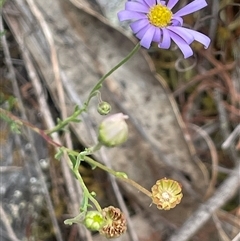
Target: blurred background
184 121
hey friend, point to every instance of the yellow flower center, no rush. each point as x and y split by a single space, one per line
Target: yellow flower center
160 16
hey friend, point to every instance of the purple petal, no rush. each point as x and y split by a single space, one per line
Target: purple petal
148 37
161 2
129 15
172 3
138 25
157 36
176 21
166 40
142 32
183 46
202 38
187 36
191 7
150 3
137 7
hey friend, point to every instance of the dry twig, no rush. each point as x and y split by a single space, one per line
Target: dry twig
206 75
214 158
35 156
224 193
224 123
237 237
231 138
72 187
221 231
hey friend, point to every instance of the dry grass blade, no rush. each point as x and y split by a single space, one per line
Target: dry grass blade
214 158
237 237
224 193
224 124
223 236
73 187
55 66
206 75
5 220
231 138
224 75
104 158
77 80
54 58
35 157
230 218
67 46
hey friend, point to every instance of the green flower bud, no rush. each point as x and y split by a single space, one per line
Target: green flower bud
113 130
122 175
104 108
93 220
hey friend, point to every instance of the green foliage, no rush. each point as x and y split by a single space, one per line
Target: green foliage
14 126
73 160
59 154
61 124
78 219
2 32
1 3
9 101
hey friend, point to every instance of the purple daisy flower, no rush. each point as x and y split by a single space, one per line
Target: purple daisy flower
154 21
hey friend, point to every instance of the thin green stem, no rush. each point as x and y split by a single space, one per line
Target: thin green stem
118 175
97 147
65 122
86 158
99 83
92 93
21 122
86 192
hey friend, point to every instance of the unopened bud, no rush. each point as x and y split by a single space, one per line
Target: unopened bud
93 220
113 130
104 108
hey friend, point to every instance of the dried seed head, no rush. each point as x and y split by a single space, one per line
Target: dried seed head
115 223
166 193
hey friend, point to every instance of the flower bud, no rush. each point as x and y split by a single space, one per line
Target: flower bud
93 220
104 108
113 130
166 193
